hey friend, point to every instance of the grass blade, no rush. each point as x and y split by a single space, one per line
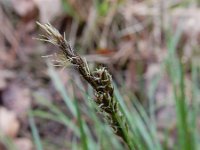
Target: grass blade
61 89
81 127
35 133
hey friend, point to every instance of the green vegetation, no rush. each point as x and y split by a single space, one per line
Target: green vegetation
117 75
140 130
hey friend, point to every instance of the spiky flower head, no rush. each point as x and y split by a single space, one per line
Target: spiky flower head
100 80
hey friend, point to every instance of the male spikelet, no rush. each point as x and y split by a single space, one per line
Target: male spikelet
100 80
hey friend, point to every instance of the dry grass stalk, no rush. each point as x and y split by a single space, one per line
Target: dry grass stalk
100 80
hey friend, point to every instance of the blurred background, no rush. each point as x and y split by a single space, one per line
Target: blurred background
150 47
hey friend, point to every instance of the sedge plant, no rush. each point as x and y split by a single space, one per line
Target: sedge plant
100 80
137 131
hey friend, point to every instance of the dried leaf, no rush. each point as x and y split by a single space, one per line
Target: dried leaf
9 125
23 143
23 7
48 9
